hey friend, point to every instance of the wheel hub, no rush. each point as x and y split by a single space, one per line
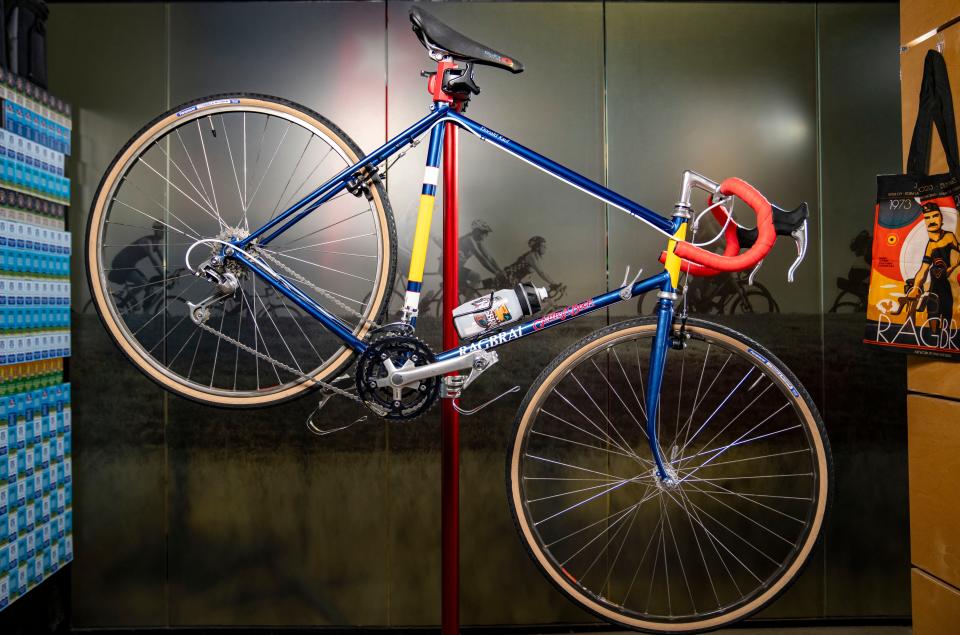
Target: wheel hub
229 265
671 482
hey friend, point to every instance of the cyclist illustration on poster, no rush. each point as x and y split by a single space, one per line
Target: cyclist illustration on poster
940 257
916 255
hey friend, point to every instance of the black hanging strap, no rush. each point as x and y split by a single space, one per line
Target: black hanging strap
936 107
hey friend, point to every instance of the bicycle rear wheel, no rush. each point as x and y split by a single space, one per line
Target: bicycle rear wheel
218 168
749 457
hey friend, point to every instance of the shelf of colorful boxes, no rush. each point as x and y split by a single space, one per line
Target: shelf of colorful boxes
36 494
36 490
34 140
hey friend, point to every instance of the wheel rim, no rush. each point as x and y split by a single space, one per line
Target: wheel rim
214 172
672 562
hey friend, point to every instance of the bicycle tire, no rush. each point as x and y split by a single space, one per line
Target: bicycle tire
600 601
303 121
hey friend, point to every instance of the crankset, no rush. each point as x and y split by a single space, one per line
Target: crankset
382 359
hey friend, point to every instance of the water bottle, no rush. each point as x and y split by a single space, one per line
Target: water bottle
490 312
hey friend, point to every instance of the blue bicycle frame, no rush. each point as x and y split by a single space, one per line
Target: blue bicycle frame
355 175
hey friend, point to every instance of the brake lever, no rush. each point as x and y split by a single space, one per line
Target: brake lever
753 273
800 238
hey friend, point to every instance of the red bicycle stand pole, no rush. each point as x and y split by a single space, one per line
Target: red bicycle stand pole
450 418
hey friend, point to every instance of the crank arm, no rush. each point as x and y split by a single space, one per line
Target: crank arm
400 377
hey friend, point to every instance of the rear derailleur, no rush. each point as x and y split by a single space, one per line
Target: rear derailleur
226 282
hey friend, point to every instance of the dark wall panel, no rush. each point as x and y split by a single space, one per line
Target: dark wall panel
268 523
722 89
119 575
725 90
563 119
864 401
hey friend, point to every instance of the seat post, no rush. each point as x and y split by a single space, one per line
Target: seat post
449 418
435 81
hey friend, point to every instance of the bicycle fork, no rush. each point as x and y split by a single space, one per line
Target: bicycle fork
658 353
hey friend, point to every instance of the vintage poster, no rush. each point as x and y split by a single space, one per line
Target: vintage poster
914 300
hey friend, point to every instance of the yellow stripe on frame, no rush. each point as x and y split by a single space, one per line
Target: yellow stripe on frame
421 238
672 264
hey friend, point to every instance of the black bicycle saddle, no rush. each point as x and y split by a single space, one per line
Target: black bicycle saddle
437 36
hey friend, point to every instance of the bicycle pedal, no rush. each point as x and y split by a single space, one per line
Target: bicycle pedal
472 411
322 432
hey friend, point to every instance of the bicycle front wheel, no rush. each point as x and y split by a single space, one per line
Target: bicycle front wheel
219 168
751 478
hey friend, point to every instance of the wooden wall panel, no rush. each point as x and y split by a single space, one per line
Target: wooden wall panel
936 606
921 16
928 375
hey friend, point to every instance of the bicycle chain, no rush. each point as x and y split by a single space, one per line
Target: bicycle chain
277 363
296 276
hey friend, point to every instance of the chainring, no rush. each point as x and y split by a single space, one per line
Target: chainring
404 403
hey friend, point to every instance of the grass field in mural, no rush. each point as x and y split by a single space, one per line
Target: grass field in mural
313 521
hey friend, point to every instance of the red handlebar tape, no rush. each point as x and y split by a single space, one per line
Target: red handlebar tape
701 262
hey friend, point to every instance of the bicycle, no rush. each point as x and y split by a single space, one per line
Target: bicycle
683 439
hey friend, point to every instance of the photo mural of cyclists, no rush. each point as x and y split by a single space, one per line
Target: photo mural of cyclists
480 273
137 274
852 291
471 246
520 270
720 294
126 271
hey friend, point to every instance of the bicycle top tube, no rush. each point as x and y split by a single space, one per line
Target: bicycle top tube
439 114
562 173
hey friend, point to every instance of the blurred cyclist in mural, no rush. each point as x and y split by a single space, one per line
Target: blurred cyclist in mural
857 282
125 268
471 246
529 262
940 259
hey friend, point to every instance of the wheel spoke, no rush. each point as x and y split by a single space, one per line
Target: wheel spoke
236 176
267 170
213 191
324 228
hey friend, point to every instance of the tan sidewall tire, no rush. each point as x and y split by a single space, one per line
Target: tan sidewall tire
531 405
108 186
